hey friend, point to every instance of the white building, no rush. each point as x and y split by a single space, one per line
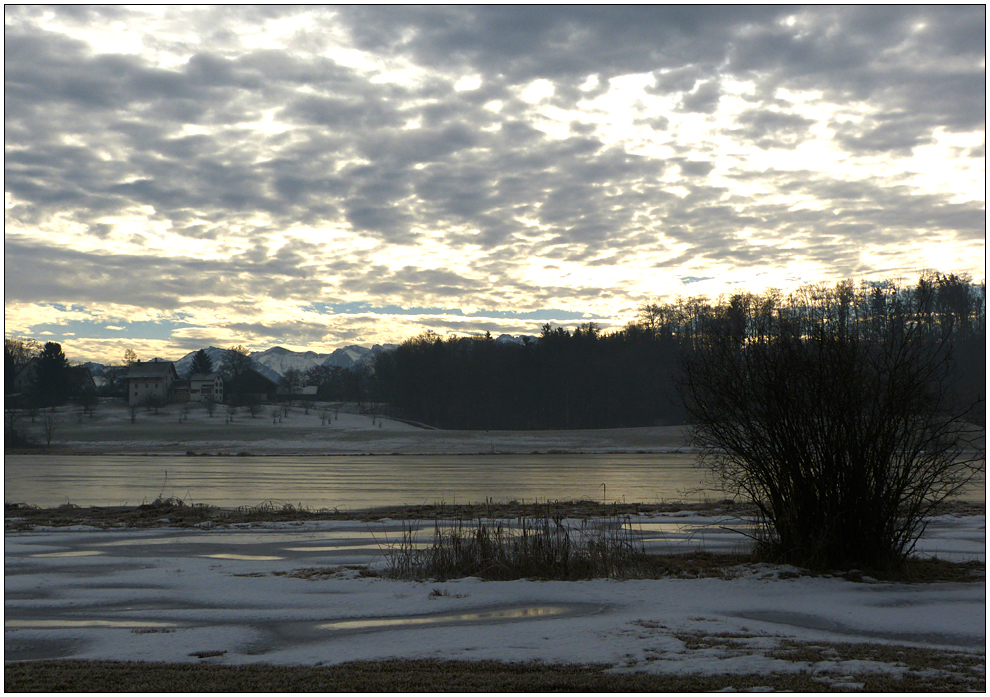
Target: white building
204 386
152 380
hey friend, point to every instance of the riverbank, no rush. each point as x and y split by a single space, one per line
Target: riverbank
176 513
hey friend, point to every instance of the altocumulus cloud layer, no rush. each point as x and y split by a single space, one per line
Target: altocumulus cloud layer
323 176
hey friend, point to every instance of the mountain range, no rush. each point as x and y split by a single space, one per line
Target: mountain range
274 362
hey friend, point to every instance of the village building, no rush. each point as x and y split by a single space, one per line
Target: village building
153 380
26 376
205 386
82 381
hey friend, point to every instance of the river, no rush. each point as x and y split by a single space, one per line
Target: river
350 482
356 482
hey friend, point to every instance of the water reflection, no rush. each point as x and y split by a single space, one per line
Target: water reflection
477 616
75 553
357 482
242 557
72 624
342 546
346 482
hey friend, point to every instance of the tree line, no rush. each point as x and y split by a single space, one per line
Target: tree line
631 377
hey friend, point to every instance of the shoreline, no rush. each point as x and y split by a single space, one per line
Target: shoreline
20 517
302 452
170 513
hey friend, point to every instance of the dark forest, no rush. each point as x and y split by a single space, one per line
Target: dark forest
587 378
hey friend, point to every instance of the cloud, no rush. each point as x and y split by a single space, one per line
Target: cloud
703 99
772 129
255 160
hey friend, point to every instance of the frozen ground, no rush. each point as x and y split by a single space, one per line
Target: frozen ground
288 593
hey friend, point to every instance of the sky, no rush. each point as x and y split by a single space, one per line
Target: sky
180 177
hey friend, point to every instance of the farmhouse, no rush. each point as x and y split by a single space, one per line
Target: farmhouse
26 376
205 386
154 380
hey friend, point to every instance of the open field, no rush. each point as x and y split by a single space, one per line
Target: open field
339 430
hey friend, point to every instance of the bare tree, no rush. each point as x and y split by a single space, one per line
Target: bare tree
211 405
49 422
838 428
115 383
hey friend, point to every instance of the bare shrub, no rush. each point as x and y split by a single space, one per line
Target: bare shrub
832 413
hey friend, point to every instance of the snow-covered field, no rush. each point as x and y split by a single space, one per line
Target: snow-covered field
324 429
243 595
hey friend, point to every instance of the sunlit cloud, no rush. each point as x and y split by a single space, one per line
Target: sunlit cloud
178 177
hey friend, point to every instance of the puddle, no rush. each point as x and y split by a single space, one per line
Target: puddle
242 557
214 539
494 615
77 553
74 624
347 548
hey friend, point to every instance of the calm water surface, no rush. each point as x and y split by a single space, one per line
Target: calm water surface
350 482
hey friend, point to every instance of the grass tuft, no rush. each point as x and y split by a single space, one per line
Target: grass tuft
539 547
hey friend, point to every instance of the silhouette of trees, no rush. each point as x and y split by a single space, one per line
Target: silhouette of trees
336 384
201 363
114 383
584 379
587 378
52 384
235 366
236 362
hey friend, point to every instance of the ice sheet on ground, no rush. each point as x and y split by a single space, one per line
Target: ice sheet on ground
166 594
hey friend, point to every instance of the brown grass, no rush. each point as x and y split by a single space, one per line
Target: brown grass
432 676
179 513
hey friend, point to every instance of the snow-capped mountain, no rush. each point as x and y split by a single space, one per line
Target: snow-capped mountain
274 362
184 364
279 360
518 339
347 356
